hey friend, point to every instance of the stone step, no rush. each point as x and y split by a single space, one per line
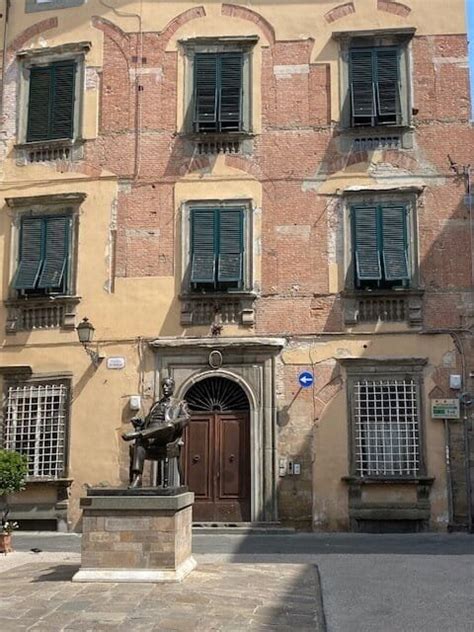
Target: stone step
241 528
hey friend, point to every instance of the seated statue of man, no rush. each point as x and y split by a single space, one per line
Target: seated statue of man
158 437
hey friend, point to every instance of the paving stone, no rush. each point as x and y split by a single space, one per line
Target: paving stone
229 597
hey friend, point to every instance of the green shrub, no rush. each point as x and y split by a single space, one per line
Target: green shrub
13 471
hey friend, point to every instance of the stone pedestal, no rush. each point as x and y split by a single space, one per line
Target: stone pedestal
136 535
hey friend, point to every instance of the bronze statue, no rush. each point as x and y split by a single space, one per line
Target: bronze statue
158 437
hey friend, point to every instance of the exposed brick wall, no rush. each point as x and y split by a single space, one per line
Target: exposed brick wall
296 144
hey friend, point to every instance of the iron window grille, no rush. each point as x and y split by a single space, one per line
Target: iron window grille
35 425
386 427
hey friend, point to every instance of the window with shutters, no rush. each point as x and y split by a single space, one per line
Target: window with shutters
375 91
219 274
217 248
376 88
51 101
44 255
43 249
218 92
380 245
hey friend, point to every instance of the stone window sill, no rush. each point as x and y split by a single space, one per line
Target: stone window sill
55 482
45 312
68 150
392 480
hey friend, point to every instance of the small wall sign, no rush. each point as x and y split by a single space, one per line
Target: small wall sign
116 362
445 409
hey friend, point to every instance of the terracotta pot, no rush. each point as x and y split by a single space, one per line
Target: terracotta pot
6 543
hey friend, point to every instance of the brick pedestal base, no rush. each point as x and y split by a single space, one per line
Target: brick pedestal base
136 538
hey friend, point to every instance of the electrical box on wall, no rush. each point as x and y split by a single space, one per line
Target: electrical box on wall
135 402
282 466
455 382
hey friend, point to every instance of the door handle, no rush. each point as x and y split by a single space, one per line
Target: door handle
231 458
196 458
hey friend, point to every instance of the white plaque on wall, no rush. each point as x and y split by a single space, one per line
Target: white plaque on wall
115 363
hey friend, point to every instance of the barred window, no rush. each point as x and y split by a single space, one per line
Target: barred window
386 432
35 425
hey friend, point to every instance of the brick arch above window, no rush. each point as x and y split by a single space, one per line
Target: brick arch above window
30 32
235 11
390 6
339 12
180 20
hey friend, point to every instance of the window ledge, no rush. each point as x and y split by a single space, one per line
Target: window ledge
58 482
392 480
66 149
357 293
45 312
227 308
371 306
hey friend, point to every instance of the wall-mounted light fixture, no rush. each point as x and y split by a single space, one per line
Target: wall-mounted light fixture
85 332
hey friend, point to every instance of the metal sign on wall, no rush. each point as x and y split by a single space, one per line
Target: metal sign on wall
445 409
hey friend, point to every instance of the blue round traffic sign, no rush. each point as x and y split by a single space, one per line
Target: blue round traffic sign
306 379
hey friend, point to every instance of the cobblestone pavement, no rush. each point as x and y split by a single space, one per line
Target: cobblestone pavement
38 595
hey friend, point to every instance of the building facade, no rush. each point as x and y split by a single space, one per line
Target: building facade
269 203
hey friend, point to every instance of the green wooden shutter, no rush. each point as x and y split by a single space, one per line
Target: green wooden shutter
395 247
366 243
203 246
387 82
56 253
230 245
362 80
31 253
205 90
39 104
51 102
62 109
230 91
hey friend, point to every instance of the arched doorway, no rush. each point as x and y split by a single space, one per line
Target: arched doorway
216 455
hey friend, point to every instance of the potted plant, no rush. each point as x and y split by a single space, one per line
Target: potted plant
13 471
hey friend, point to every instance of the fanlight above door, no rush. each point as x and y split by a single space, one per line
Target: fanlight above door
216 394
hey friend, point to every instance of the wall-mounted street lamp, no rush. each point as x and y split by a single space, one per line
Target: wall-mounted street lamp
85 332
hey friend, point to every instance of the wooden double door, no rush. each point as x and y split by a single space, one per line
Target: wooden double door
216 464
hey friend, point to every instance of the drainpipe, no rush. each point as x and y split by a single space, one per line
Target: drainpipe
448 474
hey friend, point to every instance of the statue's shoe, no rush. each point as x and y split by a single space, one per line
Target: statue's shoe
128 436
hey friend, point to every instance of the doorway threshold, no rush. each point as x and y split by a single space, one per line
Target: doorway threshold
242 528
